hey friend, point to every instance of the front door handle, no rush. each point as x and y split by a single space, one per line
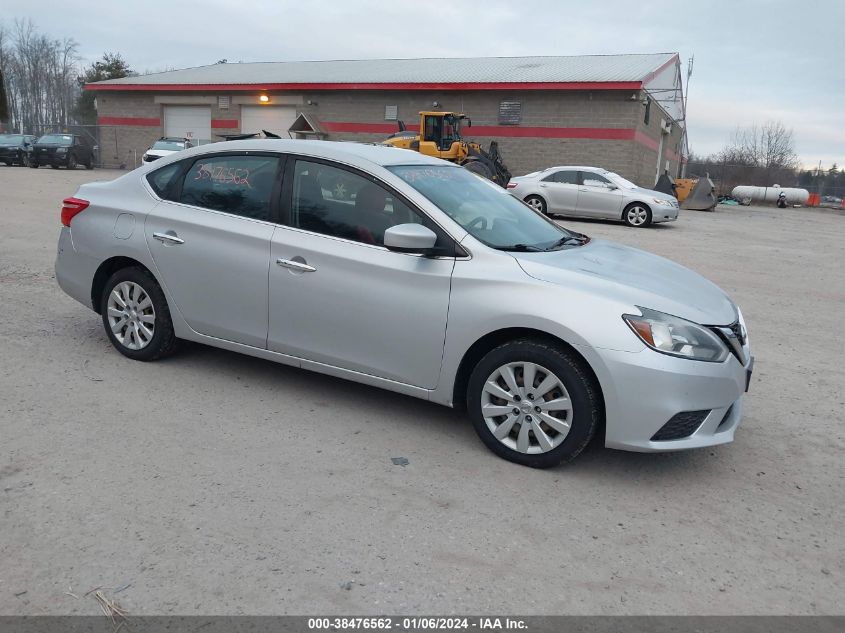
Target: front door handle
292 264
168 238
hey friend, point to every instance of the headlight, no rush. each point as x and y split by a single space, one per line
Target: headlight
663 202
61 150
677 337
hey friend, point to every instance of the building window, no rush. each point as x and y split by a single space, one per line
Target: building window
647 110
391 112
510 112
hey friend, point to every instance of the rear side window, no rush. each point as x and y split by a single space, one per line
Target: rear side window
163 180
563 177
242 185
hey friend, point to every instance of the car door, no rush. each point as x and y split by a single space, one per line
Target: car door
210 240
338 296
598 197
561 191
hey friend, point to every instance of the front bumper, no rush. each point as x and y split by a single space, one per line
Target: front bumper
10 155
663 213
648 389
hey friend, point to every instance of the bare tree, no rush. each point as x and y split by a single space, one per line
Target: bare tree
769 148
40 74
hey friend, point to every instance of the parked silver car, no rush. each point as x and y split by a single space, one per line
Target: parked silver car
422 279
593 192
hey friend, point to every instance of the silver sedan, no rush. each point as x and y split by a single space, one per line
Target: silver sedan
423 279
593 192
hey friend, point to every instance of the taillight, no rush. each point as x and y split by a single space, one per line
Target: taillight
72 206
512 185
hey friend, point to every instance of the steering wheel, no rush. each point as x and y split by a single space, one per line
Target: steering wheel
481 221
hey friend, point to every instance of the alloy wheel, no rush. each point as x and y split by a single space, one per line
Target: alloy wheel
535 203
526 407
131 315
637 215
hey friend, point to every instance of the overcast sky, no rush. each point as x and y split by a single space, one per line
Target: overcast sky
755 60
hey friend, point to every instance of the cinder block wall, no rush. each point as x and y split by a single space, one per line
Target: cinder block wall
121 144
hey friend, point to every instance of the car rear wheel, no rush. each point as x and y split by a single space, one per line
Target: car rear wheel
33 164
71 162
637 214
533 403
135 315
537 203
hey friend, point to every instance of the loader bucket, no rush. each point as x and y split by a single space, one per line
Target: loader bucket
702 197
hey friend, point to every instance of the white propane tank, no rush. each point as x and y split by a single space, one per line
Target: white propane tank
770 194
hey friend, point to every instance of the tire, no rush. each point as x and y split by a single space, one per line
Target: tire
479 168
71 162
131 341
25 160
537 203
90 164
554 443
637 215
33 164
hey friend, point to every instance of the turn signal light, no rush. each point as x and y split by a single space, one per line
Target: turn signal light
512 185
72 206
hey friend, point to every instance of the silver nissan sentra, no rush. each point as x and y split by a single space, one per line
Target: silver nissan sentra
389 268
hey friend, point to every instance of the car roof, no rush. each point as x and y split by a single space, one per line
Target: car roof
382 155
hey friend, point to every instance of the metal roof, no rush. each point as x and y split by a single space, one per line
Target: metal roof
383 73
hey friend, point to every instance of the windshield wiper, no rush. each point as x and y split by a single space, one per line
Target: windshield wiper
520 248
576 239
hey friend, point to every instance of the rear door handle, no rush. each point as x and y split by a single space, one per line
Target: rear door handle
291 264
168 238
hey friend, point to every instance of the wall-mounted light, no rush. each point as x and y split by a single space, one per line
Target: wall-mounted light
311 102
264 99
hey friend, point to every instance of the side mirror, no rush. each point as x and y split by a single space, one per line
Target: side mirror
612 187
410 238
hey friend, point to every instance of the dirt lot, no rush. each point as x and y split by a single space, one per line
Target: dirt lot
215 483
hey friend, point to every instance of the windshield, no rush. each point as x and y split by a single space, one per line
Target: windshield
483 209
11 139
619 180
56 139
171 145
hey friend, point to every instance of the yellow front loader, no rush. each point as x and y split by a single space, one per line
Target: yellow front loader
440 136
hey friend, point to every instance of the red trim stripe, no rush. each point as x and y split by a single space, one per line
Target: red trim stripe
128 120
504 85
644 139
224 123
624 134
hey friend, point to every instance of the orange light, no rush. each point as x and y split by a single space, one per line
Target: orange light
643 329
264 99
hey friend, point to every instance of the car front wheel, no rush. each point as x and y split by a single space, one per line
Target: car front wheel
537 203
71 162
135 315
533 403
637 214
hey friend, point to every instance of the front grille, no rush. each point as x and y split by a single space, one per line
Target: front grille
735 338
681 425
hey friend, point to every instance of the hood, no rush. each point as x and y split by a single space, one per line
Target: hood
161 152
635 277
642 191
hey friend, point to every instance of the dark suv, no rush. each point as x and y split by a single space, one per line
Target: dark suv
66 150
16 148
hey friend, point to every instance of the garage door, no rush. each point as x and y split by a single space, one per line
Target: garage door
276 119
193 122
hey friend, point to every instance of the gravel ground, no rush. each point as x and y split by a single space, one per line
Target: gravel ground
214 483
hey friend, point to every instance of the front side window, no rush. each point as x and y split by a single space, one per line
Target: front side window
595 180
485 210
241 185
337 202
